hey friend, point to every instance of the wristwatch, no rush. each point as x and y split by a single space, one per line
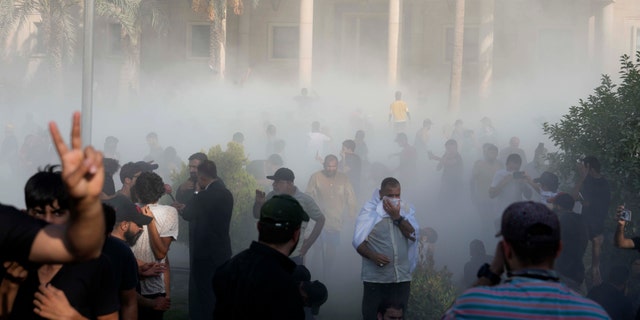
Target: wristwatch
398 221
485 272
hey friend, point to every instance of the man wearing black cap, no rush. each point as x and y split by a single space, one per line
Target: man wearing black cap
283 184
258 283
530 244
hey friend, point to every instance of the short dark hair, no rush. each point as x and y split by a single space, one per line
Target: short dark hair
515 158
129 170
238 137
271 234
398 95
149 187
275 159
152 135
208 169
109 218
45 187
349 144
490 147
593 163
315 126
199 156
542 251
390 304
330 157
389 182
451 142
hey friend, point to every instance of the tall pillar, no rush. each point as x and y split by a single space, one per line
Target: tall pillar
486 48
394 41
243 64
306 42
604 15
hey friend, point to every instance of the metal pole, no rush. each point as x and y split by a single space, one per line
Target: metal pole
87 72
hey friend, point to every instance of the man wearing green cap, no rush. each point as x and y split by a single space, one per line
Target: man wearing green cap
258 283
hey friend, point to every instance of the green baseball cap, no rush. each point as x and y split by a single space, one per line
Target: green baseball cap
283 211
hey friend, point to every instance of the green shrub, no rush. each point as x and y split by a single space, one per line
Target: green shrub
230 164
432 291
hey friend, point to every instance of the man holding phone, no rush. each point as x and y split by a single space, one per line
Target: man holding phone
510 185
623 216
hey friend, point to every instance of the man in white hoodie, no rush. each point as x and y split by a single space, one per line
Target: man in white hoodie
385 236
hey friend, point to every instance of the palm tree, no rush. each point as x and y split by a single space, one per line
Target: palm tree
216 11
133 16
58 29
456 61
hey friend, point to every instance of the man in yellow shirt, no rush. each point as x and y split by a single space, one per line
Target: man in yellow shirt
399 113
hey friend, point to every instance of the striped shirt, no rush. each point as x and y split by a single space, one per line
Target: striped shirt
524 298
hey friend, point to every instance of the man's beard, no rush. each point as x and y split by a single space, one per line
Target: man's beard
193 176
131 238
329 174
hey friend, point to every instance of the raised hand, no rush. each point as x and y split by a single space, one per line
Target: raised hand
82 170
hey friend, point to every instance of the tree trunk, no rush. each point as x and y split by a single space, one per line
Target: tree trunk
456 61
218 38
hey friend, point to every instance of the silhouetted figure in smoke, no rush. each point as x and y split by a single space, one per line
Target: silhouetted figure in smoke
514 147
479 257
458 130
283 184
170 164
385 236
187 188
594 191
316 141
278 147
611 294
361 147
487 133
407 158
260 169
399 113
546 187
351 165
111 148
575 238
538 165
209 214
304 100
333 192
155 150
421 142
271 139
238 138
111 166
258 282
451 166
509 185
481 178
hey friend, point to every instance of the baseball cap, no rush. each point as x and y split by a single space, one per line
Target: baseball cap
284 174
548 179
530 224
147 166
127 211
283 211
317 295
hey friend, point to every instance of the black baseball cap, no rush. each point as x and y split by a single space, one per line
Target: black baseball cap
282 211
282 174
147 166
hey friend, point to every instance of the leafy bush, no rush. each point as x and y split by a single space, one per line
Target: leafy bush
607 126
230 164
432 291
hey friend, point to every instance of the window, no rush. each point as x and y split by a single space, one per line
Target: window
38 47
199 41
114 39
471 44
284 42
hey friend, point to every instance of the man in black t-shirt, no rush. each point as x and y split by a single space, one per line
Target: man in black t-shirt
575 237
23 238
595 193
258 283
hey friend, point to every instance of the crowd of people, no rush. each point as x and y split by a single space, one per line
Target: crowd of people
82 249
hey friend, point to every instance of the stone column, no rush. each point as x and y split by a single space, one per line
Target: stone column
486 48
306 42
394 41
